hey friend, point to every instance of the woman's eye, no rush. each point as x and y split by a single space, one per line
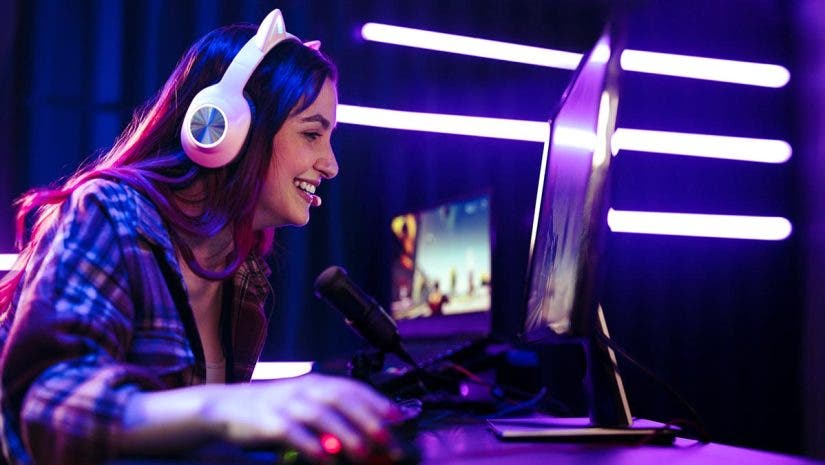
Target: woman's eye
312 135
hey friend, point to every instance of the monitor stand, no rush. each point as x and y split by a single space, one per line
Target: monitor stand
610 418
606 396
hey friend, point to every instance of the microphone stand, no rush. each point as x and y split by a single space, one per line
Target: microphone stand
365 363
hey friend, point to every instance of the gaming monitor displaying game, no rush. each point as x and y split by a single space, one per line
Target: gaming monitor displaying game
441 276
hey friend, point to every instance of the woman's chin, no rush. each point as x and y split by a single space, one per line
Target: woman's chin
298 220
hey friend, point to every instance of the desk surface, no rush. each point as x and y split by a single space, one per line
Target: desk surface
473 444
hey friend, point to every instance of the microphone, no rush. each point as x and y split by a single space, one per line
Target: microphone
361 311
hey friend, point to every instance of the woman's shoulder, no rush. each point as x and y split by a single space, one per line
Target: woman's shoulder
105 190
122 203
114 197
131 212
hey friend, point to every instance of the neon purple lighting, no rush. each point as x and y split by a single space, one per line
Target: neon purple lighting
533 131
711 69
702 145
675 143
7 260
693 67
766 228
584 139
279 370
472 46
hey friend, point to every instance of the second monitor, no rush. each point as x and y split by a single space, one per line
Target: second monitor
441 274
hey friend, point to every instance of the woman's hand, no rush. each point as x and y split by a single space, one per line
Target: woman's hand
297 411
293 412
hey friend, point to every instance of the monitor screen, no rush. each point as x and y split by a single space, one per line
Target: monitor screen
441 279
570 213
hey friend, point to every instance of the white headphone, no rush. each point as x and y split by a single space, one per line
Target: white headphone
217 122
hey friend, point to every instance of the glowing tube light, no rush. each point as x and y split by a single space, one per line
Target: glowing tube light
702 145
280 370
766 228
7 260
674 143
532 131
712 69
472 46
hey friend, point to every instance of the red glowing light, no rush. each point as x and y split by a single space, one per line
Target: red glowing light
330 444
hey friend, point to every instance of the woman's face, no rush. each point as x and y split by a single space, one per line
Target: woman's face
301 157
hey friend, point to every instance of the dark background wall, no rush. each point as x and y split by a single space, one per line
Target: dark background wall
733 324
810 99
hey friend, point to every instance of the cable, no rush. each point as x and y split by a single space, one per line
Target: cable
528 404
501 391
702 434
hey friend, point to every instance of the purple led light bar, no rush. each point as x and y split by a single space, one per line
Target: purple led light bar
7 260
533 131
462 45
710 69
675 143
766 228
280 370
702 145
693 67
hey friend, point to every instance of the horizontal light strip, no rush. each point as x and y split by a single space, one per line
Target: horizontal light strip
711 69
472 46
766 228
702 145
280 370
7 260
532 131
674 143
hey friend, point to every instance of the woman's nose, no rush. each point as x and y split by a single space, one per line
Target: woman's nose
327 165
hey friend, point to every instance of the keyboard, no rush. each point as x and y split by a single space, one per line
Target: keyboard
401 380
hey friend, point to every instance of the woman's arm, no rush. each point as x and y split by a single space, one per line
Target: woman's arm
290 412
73 392
66 372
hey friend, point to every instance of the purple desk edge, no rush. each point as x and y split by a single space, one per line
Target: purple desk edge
474 444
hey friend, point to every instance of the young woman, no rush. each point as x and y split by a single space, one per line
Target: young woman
135 314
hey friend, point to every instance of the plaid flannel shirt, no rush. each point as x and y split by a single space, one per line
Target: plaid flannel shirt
102 312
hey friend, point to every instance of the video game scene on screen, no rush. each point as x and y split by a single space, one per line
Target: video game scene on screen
443 261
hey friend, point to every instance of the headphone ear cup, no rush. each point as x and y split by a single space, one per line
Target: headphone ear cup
215 126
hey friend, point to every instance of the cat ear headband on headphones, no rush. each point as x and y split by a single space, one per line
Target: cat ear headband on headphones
217 121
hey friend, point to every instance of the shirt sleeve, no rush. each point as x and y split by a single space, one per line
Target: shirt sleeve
65 375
